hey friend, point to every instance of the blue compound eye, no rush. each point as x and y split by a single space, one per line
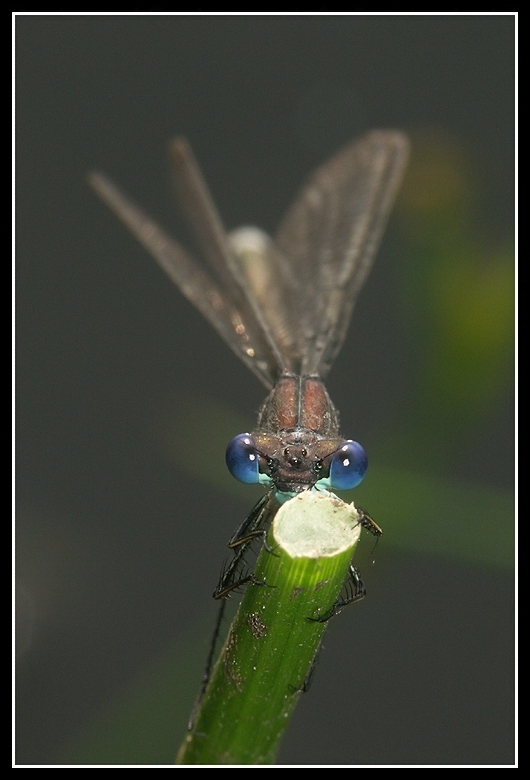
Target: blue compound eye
242 459
348 466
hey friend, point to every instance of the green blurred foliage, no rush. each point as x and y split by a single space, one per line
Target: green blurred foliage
457 289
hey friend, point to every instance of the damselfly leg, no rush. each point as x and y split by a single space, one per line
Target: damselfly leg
253 527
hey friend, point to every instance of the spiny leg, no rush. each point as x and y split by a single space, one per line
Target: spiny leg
368 522
353 591
249 530
243 537
306 684
232 576
240 541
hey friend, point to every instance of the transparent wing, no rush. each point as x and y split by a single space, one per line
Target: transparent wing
326 243
197 204
282 306
219 300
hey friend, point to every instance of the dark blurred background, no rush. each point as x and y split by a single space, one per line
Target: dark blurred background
126 397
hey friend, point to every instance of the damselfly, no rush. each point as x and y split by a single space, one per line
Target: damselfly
283 306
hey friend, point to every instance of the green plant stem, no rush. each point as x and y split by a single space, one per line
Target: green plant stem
271 646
